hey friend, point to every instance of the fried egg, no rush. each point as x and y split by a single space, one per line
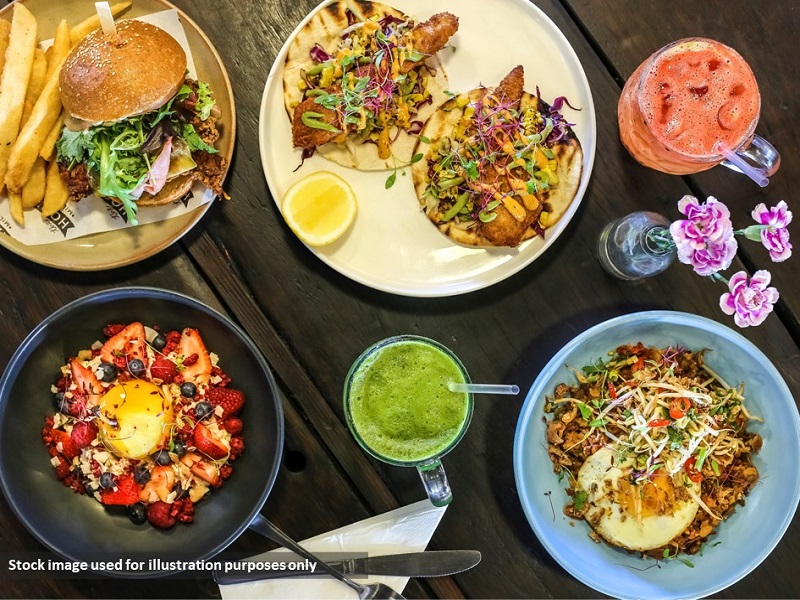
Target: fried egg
135 419
639 516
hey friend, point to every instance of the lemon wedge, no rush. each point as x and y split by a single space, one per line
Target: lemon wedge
319 208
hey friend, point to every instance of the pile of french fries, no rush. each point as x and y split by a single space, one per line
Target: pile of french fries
31 114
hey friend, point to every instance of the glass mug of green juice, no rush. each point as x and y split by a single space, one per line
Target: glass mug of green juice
400 410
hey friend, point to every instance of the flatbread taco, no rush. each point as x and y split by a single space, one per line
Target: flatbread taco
499 165
360 79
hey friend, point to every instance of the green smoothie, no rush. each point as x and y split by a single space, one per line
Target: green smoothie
400 405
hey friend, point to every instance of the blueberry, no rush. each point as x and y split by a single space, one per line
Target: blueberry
137 513
180 449
106 480
141 474
58 399
202 410
181 492
162 457
136 367
109 372
188 389
159 342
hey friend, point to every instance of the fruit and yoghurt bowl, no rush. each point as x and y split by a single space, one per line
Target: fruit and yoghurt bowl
37 385
145 419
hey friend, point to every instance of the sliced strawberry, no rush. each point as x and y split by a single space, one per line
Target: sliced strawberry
129 343
206 443
194 357
125 492
230 400
160 515
88 385
64 444
83 434
163 369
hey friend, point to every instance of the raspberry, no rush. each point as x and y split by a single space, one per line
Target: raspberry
83 433
191 359
233 425
164 369
173 338
225 471
237 447
230 400
113 329
224 380
62 469
159 515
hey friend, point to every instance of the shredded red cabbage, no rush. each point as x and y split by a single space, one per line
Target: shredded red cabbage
415 128
318 54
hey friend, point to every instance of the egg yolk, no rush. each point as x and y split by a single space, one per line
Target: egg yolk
654 497
135 419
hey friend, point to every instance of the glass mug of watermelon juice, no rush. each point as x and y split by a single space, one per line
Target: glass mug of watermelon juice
687 102
400 410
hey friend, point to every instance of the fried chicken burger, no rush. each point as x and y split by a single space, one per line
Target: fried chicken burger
137 131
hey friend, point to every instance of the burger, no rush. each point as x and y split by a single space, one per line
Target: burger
137 131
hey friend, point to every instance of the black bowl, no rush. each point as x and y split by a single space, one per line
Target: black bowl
76 526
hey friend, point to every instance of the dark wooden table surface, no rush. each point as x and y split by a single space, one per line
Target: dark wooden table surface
311 322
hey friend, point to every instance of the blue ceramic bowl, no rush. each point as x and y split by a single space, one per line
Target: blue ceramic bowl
75 526
747 537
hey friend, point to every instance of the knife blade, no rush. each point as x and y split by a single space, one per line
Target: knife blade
434 563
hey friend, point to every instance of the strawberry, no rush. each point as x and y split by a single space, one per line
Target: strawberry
83 433
125 493
163 369
206 443
160 515
230 400
130 343
195 358
233 425
88 385
64 444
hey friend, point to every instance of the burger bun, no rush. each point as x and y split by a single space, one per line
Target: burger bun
110 78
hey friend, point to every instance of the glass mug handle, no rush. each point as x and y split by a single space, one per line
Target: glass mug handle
433 476
760 153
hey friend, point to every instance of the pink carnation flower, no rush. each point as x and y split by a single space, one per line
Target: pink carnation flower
775 235
705 239
749 302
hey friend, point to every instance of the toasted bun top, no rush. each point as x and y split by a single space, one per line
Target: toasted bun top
108 79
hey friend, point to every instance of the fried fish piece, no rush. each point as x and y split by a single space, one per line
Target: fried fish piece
431 36
510 89
304 136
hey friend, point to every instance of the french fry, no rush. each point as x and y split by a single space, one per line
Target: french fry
84 28
33 190
33 134
56 193
60 47
35 84
14 81
49 146
5 29
15 200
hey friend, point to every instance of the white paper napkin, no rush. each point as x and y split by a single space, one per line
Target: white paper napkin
406 529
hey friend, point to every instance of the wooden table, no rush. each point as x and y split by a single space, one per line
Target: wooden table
311 322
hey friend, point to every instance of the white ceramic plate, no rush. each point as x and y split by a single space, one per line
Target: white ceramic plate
118 248
745 539
392 246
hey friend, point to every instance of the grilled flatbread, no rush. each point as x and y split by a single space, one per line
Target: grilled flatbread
393 84
501 167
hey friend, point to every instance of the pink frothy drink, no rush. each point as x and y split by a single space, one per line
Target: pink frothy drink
686 102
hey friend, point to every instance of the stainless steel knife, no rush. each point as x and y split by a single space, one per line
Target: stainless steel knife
434 563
